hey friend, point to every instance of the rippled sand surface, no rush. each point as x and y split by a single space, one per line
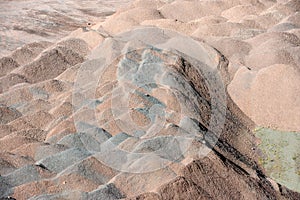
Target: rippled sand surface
27 21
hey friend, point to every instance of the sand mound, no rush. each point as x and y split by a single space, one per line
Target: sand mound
125 20
55 61
267 50
235 14
229 47
190 10
280 83
11 80
28 52
103 115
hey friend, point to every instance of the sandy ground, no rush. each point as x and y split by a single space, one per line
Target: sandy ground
81 117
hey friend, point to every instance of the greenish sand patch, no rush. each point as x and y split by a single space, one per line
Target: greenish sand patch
280 156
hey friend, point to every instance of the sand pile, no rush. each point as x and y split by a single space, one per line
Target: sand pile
150 113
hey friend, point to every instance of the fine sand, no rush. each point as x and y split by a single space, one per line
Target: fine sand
69 110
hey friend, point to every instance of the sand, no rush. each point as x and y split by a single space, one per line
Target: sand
158 101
